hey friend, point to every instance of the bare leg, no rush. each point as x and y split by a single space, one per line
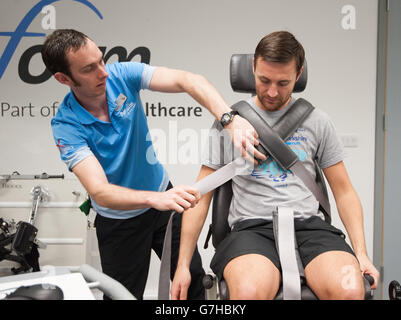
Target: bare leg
335 275
252 277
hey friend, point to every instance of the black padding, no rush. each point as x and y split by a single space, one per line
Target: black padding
37 292
241 73
306 293
221 205
322 185
293 118
223 290
268 138
242 79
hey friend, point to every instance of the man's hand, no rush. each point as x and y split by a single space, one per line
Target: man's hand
180 285
368 268
245 138
178 198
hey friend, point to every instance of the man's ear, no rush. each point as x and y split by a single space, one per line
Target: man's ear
299 73
63 78
253 65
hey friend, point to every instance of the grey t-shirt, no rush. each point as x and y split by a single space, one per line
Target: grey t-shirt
262 188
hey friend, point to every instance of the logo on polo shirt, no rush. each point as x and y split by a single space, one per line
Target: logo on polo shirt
59 145
128 109
120 101
63 148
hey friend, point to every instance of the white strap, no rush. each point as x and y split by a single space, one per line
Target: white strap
288 260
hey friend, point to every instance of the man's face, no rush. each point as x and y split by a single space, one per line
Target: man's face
274 83
87 70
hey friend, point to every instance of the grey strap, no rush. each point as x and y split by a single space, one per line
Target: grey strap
285 241
276 231
165 264
221 175
205 185
301 172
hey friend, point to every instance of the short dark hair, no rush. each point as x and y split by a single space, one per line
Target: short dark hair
280 46
57 45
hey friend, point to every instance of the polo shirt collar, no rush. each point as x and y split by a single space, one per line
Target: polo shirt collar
83 115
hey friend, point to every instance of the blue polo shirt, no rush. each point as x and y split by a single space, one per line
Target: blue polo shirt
123 146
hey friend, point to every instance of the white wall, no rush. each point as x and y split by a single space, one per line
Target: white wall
199 36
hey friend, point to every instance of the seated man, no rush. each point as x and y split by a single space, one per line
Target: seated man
247 258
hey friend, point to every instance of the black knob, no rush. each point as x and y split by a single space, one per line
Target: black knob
208 281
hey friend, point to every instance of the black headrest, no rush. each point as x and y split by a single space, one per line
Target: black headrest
242 79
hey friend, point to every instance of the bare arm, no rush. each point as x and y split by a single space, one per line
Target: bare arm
199 88
350 211
192 223
348 205
91 174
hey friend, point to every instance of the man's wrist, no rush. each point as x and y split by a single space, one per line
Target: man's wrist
183 263
227 118
149 199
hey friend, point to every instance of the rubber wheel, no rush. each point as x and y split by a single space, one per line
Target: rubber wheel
394 290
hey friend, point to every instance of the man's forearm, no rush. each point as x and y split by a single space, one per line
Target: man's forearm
121 198
200 89
350 211
192 222
348 205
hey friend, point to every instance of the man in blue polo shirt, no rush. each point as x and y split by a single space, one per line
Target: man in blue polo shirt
101 131
79 135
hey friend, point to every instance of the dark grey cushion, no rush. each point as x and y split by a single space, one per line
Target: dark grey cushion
242 79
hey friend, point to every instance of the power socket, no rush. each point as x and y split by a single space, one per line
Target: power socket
349 140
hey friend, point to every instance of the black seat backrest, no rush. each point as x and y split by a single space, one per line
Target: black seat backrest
242 79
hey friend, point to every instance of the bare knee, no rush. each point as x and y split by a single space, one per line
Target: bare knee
353 294
247 290
244 290
335 275
251 277
345 294
353 290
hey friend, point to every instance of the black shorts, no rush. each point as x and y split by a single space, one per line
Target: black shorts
255 236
